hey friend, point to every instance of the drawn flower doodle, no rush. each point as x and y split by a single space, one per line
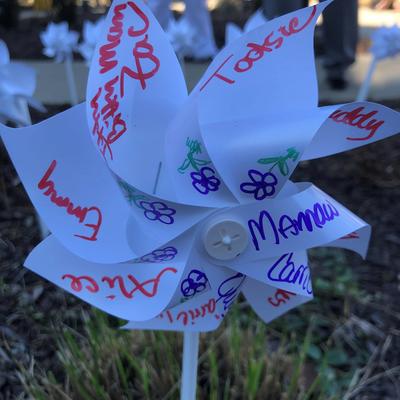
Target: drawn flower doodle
196 282
262 185
205 180
158 211
281 162
160 255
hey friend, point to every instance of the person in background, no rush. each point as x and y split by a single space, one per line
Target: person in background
340 34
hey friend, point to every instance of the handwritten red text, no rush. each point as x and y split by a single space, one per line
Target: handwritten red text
83 214
280 297
359 120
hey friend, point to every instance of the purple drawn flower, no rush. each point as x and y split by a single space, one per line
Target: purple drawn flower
205 180
261 185
160 255
196 282
158 211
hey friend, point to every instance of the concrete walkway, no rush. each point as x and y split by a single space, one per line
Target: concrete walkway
52 87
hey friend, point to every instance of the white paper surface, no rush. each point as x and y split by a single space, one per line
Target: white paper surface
135 88
195 178
276 58
353 125
202 313
269 302
71 187
136 291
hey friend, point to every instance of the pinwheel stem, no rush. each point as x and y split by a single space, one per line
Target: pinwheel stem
189 365
73 94
364 89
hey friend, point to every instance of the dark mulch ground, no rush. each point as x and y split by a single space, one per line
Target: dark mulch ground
366 180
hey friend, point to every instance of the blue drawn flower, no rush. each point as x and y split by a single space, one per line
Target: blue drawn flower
205 180
160 255
158 211
196 282
262 185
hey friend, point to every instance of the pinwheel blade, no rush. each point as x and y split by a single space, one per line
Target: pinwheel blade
133 291
135 88
71 187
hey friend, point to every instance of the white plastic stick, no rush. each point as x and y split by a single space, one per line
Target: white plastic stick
73 93
189 365
364 89
23 104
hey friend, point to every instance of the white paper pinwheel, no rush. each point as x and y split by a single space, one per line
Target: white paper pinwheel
91 35
385 44
163 207
233 32
17 86
59 41
181 36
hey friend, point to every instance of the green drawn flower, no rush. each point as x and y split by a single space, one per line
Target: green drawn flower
194 147
281 162
131 195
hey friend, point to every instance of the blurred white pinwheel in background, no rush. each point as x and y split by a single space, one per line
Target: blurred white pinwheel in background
163 207
17 86
232 31
386 42
91 35
58 41
181 36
